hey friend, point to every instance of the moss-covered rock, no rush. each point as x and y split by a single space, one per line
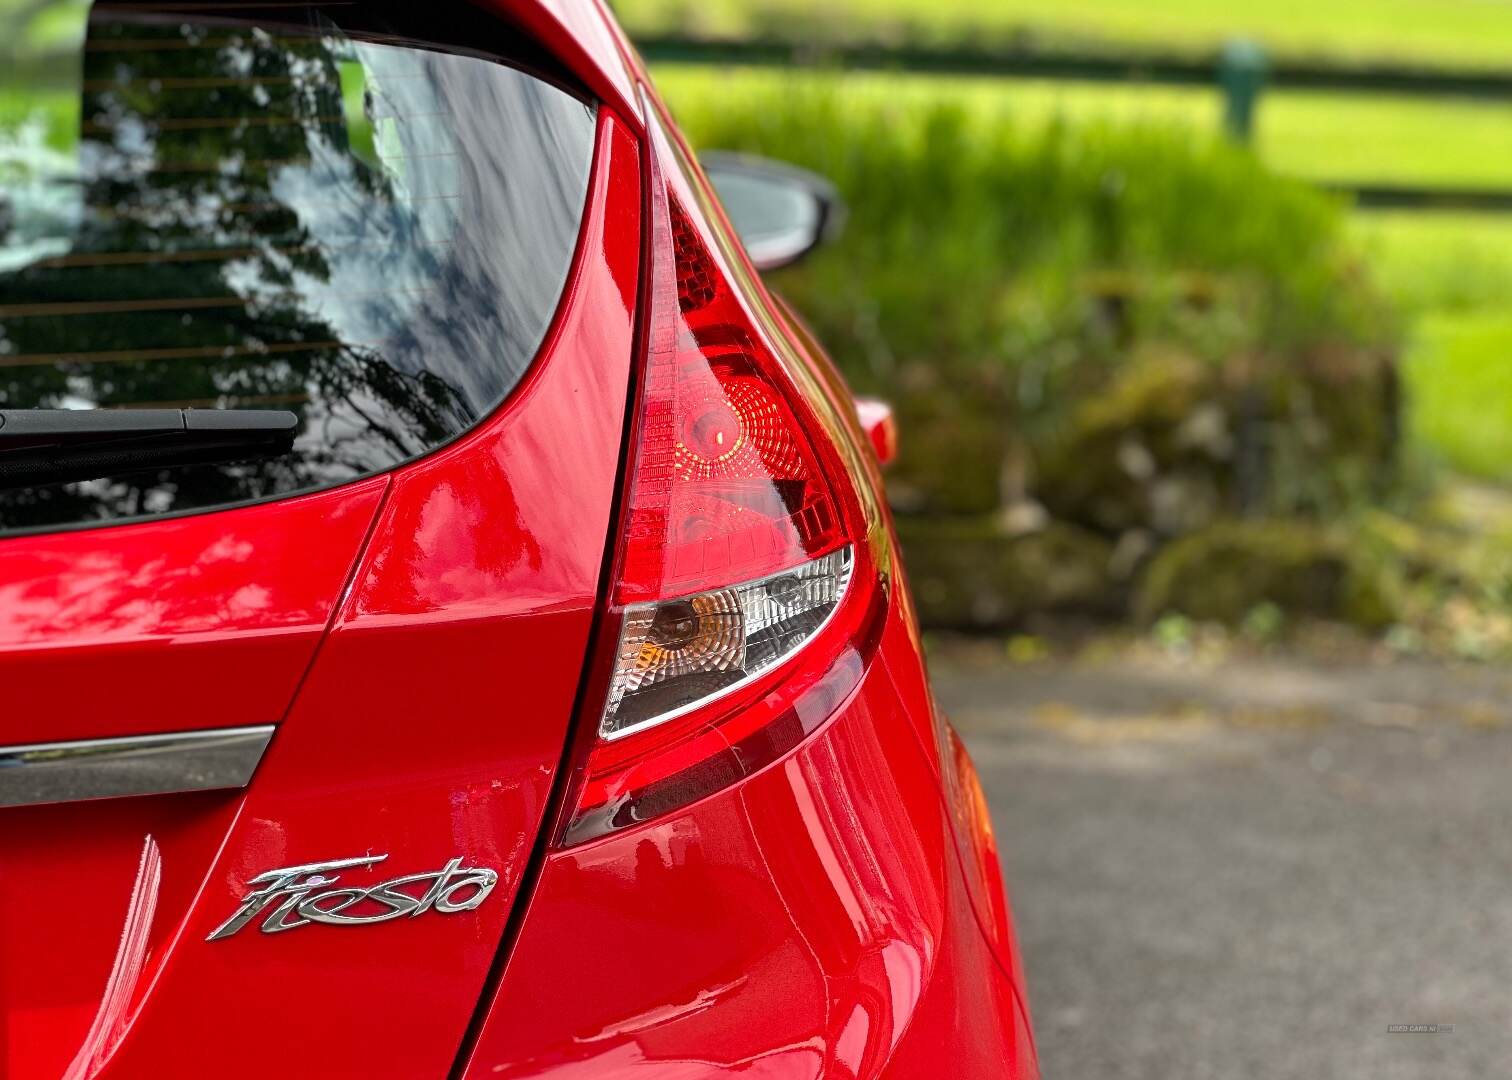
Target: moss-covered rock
1124 459
1225 571
968 574
1173 442
955 449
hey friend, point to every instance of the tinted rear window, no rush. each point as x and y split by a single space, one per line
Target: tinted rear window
362 213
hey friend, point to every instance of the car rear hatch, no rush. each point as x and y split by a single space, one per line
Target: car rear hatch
283 720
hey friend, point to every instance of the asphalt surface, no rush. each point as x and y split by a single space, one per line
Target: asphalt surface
1251 869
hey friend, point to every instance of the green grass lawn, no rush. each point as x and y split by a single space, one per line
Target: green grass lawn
1459 384
1440 263
1474 32
1452 275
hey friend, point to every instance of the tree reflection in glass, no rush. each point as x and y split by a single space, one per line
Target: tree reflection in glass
285 215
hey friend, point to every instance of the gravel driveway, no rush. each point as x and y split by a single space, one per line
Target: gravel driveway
1251 869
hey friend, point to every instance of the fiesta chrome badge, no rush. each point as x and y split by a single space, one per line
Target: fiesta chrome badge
300 895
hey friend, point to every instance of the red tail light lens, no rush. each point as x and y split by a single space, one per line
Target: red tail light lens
740 584
727 486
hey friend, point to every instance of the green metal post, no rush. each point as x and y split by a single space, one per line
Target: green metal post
1241 74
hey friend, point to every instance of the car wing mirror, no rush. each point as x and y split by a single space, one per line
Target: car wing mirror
881 428
780 212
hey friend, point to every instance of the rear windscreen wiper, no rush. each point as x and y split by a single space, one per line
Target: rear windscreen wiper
54 446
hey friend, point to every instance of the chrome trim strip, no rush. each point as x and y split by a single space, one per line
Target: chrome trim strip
135 765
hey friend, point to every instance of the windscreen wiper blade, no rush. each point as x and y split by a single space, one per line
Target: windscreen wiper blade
54 446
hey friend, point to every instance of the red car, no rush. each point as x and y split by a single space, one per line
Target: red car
449 621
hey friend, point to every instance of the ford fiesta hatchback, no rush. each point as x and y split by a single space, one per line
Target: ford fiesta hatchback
449 622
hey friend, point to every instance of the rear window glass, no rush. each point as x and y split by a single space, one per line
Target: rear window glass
361 213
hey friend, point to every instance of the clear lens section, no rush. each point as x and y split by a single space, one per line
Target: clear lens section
677 654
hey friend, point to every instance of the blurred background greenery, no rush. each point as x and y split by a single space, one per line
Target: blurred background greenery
1145 371
1463 31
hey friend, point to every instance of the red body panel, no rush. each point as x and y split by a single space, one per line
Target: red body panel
145 629
431 726
810 921
579 32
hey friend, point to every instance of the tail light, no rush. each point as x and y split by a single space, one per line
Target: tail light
746 584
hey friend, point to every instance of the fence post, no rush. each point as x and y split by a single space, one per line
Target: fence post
1241 75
